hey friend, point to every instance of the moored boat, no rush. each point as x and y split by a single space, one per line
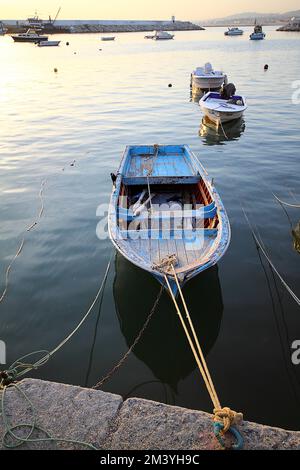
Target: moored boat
234 32
206 78
3 29
108 38
164 211
258 33
30 36
48 43
162 36
219 108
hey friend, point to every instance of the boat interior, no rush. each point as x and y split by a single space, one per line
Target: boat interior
215 97
155 189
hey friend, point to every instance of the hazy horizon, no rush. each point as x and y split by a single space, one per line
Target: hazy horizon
139 9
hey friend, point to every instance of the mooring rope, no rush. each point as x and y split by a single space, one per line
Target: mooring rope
11 440
297 206
29 228
225 135
21 246
137 339
224 417
21 367
263 250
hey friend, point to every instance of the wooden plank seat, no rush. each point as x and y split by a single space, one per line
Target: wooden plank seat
204 212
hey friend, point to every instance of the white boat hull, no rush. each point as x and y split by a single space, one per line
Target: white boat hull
220 110
48 43
234 34
217 116
208 83
162 39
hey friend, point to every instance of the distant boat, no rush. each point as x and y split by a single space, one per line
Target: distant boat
35 22
30 36
108 38
258 33
3 30
149 36
162 36
206 78
48 43
219 109
234 32
163 205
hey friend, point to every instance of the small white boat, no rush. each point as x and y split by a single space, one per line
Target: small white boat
206 78
258 33
162 36
234 32
3 30
30 36
108 38
149 36
48 43
219 109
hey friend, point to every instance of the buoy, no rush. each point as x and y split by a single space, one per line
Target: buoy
75 52
266 67
170 85
55 70
67 43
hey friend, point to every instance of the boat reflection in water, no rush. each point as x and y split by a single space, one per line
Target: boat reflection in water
163 346
196 94
217 135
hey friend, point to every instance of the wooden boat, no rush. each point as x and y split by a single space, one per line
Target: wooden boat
219 109
30 36
48 43
206 78
164 207
108 38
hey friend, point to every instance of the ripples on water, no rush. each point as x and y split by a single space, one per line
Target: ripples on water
98 102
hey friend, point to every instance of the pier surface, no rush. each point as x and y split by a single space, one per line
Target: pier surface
109 423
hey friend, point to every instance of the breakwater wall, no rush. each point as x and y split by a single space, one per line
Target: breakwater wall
107 422
134 27
289 27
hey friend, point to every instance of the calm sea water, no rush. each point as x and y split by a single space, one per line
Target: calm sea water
98 102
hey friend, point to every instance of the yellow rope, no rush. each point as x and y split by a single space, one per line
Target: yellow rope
224 415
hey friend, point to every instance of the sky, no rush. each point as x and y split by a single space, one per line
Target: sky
140 9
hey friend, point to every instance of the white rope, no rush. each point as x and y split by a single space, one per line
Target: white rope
286 203
47 356
293 295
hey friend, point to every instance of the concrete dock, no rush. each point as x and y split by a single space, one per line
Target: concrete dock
109 423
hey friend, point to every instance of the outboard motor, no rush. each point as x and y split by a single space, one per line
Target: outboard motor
228 91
